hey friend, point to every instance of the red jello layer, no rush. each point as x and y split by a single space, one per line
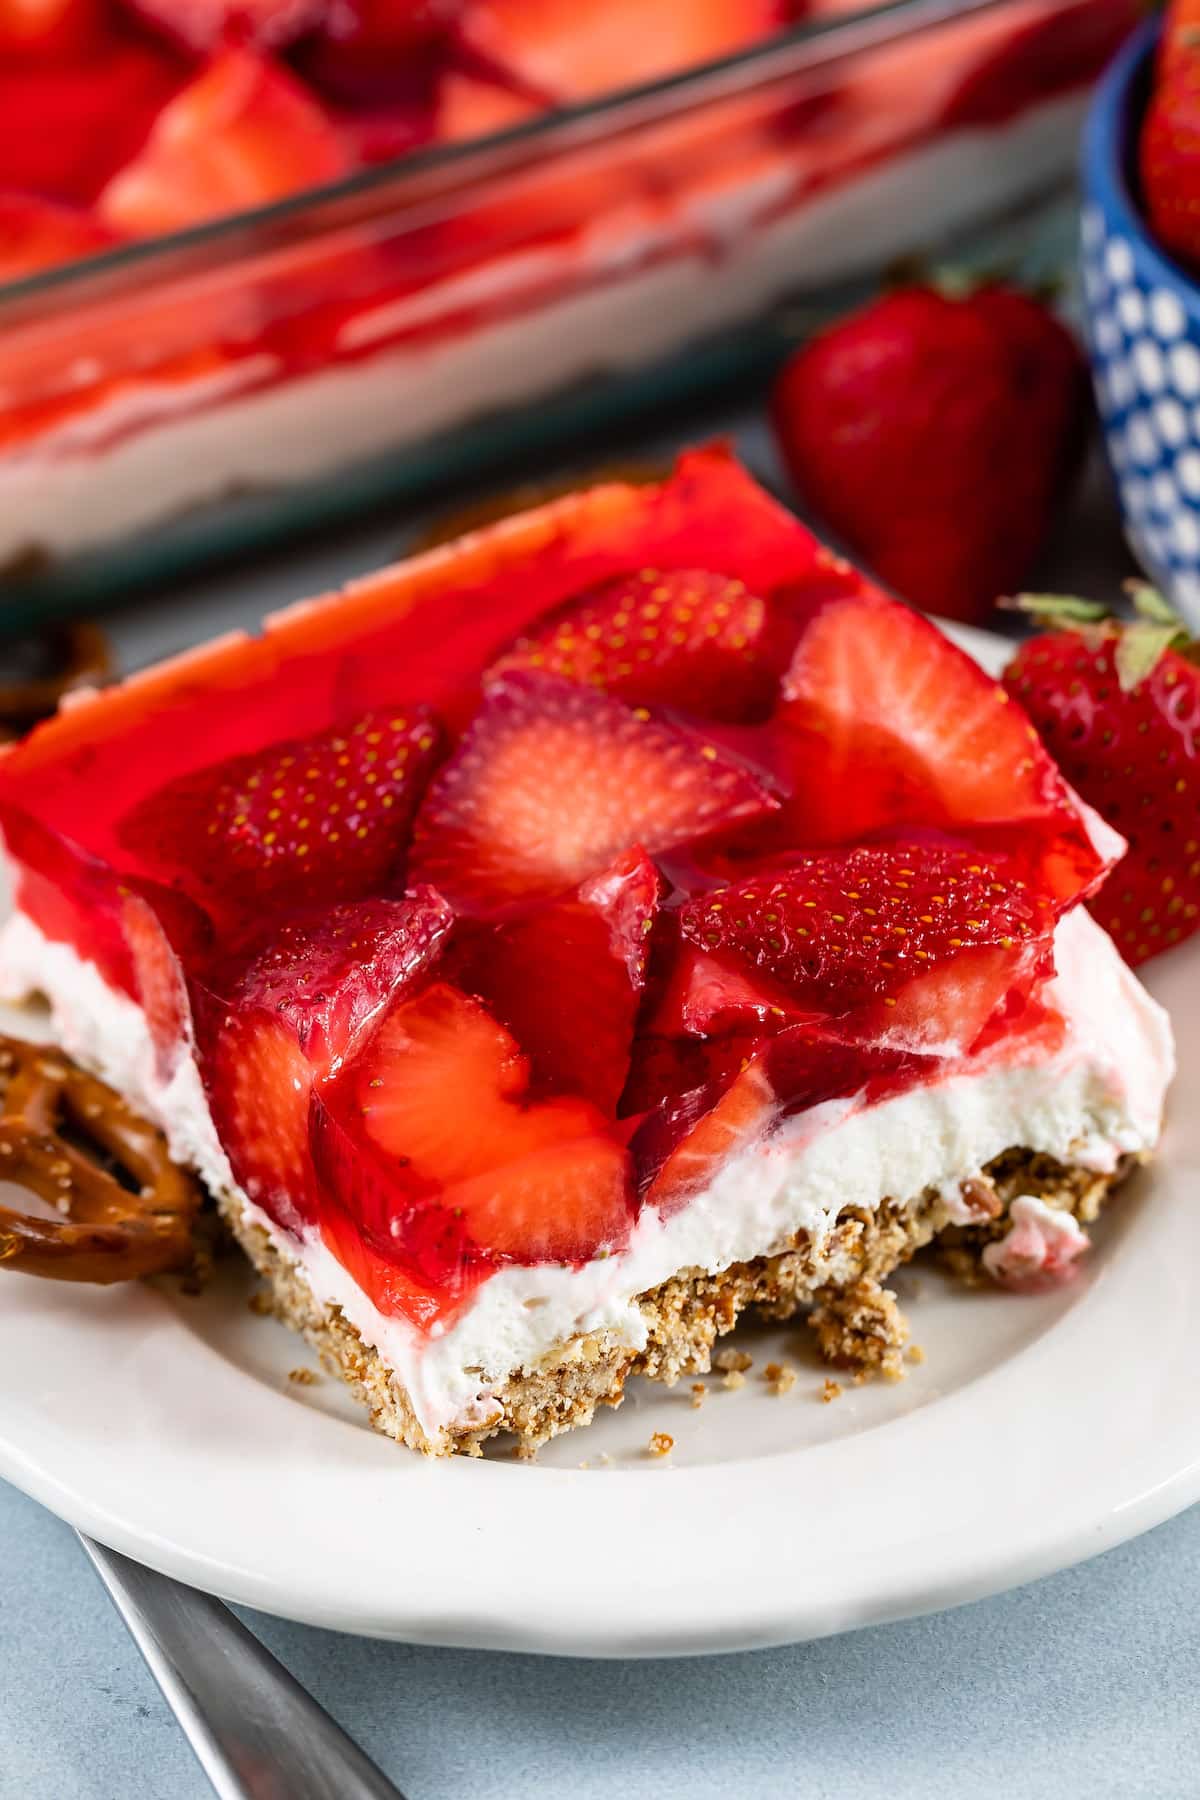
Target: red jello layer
421 632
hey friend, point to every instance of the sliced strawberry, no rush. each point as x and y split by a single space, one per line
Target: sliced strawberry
707 996
566 979
50 29
574 52
203 26
244 133
924 941
38 234
164 941
552 782
66 127
301 823
75 899
370 1254
513 59
681 637
289 1017
811 1065
886 724
469 107
324 977
258 1084
680 1149
436 1108
564 1200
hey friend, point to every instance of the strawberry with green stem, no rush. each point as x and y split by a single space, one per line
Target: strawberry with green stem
1118 706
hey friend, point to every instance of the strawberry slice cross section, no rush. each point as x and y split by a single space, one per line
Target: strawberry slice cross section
552 781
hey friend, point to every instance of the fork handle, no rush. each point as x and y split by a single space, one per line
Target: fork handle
257 1733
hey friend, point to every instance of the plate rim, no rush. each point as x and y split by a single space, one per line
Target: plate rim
949 1567
669 1592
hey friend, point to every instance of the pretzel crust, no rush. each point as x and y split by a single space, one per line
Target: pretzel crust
69 1138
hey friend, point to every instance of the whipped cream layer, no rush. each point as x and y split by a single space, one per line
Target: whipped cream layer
1098 1097
135 461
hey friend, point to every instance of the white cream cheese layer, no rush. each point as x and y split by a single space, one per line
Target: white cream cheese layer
141 459
1098 1097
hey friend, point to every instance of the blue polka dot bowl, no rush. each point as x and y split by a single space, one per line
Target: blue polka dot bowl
1142 314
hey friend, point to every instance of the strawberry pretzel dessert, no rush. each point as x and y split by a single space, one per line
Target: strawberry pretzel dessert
557 945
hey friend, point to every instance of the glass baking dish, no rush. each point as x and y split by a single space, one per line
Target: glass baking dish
215 390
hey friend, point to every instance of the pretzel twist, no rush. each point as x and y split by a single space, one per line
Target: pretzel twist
68 1138
79 657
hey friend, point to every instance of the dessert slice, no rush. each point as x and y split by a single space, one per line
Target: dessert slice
549 948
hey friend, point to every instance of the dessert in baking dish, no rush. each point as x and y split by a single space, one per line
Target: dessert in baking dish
265 359
551 947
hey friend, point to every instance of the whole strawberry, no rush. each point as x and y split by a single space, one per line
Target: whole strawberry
1119 708
936 436
1169 151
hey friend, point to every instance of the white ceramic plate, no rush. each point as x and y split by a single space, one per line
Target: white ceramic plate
1037 1432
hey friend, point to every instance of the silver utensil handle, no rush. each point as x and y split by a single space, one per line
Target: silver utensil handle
257 1733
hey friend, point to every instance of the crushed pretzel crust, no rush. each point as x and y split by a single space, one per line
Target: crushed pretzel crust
779 1377
838 1283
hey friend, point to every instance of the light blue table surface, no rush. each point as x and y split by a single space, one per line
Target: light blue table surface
1086 1684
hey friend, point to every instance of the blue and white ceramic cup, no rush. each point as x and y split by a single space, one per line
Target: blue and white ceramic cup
1142 314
